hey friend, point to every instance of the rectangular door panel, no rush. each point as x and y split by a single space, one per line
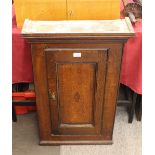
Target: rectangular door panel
76 93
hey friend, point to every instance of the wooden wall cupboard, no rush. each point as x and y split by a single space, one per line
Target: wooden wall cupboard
76 75
66 10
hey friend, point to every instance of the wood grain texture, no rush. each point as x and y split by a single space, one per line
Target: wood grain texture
39 10
72 75
108 59
38 60
111 93
65 9
80 142
93 10
76 93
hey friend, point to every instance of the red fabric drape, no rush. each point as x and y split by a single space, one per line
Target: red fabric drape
21 56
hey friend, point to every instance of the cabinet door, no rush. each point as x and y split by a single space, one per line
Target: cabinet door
93 10
39 10
76 81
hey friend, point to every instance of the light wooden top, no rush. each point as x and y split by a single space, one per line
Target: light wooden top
119 26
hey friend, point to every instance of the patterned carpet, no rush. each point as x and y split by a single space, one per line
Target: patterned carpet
127 139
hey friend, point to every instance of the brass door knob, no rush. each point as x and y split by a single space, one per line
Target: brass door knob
52 95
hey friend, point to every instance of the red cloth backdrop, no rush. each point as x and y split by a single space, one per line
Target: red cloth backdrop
21 56
131 73
131 70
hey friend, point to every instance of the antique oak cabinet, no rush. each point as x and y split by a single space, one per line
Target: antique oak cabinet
76 67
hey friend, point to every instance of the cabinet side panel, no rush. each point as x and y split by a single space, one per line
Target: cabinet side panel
111 91
39 71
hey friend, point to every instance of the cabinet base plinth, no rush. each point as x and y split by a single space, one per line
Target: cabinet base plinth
99 142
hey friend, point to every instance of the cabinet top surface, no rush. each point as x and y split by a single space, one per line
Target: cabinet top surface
76 27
